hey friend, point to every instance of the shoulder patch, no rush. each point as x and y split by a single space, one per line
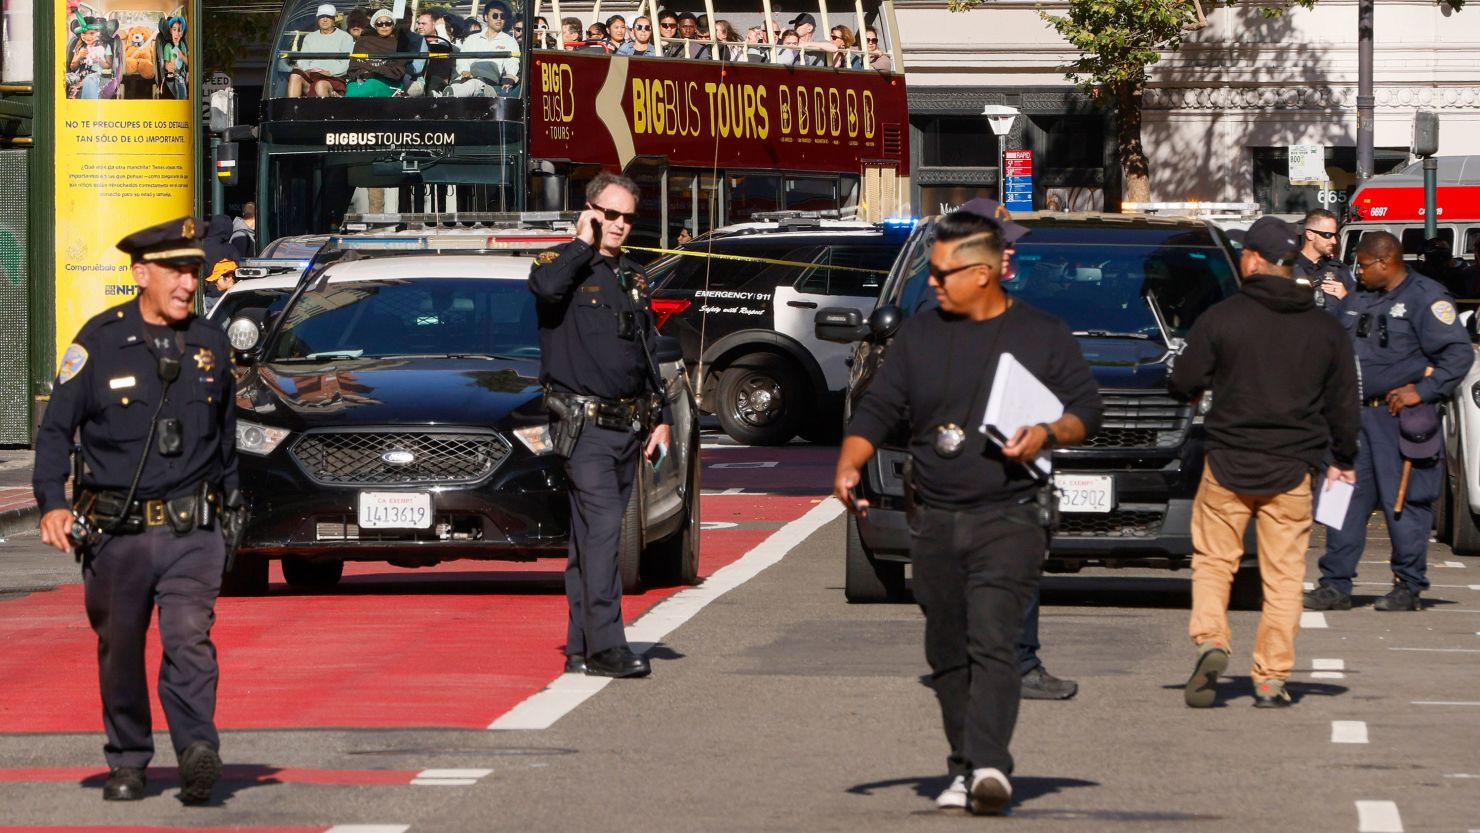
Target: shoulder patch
1444 311
72 363
546 256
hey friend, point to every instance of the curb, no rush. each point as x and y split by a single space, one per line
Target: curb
15 521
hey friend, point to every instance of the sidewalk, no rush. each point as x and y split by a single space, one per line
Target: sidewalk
17 506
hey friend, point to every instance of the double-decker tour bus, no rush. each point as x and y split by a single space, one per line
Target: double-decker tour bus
429 118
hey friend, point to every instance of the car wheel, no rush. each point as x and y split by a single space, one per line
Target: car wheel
1466 537
675 559
867 579
311 574
1248 589
629 542
761 399
247 577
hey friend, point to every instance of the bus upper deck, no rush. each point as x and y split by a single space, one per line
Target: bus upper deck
367 111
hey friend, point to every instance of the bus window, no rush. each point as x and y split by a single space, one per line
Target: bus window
693 202
1472 240
752 193
811 194
1413 240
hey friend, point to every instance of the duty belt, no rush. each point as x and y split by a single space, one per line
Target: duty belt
634 411
106 509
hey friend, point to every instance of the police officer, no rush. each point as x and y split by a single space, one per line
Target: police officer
150 387
1317 262
1411 353
596 335
978 536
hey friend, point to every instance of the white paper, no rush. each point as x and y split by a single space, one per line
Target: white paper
1331 506
1018 398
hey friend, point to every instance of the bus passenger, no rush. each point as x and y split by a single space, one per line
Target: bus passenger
374 77
877 58
597 39
484 77
616 31
641 45
322 77
730 49
691 46
570 33
436 39
805 25
668 28
842 38
543 37
357 22
790 55
755 51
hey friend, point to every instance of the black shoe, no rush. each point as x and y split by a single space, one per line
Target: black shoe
200 769
1327 597
1399 598
575 664
125 783
1271 694
617 662
1038 684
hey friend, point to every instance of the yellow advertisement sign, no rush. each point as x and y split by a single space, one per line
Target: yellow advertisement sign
125 156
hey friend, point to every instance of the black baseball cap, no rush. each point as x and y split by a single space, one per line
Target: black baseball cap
1418 431
1274 240
803 18
993 210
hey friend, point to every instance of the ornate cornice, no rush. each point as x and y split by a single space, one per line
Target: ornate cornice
1308 98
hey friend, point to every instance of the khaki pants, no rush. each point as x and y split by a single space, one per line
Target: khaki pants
1282 523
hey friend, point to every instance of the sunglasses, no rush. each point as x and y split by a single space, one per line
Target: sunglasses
873 40
940 274
1364 326
643 27
669 25
496 15
384 24
1324 235
611 214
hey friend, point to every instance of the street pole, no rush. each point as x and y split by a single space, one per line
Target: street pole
1430 197
1364 89
1002 168
218 191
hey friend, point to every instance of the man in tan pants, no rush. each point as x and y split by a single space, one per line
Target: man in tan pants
1283 379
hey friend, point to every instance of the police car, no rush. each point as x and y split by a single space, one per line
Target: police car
390 410
741 301
1457 511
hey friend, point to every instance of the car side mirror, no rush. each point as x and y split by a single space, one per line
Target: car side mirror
843 325
884 322
667 349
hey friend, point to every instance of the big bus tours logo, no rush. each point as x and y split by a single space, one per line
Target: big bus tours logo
406 138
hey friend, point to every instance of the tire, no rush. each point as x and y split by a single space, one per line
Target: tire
307 574
1248 589
1466 537
762 398
247 577
674 561
867 580
629 543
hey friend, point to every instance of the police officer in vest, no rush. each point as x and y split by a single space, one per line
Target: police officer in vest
149 387
1411 353
606 399
1328 277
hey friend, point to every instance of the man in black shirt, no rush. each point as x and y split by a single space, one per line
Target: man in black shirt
1284 385
978 537
1317 263
596 331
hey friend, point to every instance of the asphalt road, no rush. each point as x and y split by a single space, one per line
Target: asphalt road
777 706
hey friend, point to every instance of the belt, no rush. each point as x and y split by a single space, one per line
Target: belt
1375 402
106 508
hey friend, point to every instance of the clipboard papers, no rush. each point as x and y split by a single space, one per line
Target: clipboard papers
1017 398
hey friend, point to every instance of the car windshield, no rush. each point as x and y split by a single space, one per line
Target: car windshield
1101 287
415 317
233 303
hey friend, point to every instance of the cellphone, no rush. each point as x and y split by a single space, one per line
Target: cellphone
659 457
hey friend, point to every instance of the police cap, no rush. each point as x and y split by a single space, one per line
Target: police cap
174 242
993 210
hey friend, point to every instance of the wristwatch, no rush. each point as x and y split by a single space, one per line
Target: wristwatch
1049 441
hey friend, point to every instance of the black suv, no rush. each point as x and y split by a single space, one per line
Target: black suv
1129 287
741 302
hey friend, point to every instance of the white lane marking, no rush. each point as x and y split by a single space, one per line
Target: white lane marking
1328 664
449 777
1348 731
1459 564
705 525
1311 619
369 828
1378 817
568 691
1327 675
1447 586
733 490
1475 587
752 464
1444 702
1440 650
1461 775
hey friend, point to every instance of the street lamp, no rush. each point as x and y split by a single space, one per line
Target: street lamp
1001 117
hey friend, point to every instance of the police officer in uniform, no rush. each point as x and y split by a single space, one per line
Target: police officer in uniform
603 388
979 531
1317 264
1411 353
149 386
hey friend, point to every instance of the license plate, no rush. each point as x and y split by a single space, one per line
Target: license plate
395 510
1085 492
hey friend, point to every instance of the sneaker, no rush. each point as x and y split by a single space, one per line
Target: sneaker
990 792
954 797
1038 684
1271 694
1327 597
1202 687
200 768
1399 598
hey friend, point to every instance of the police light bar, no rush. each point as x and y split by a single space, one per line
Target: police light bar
1192 208
466 240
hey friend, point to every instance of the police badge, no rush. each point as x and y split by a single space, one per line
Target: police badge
949 440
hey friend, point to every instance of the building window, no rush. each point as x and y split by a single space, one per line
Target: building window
1276 195
959 142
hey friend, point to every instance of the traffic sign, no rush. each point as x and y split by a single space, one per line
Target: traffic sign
1017 180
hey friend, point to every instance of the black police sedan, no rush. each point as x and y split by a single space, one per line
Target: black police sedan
393 413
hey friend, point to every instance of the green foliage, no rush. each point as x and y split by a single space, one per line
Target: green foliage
1118 39
228 35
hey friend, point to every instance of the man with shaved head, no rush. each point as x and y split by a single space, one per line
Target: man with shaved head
1411 353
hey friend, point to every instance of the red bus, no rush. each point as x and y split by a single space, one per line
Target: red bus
739 129
1395 203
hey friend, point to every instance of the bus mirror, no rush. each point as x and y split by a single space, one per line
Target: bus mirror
240 133
843 325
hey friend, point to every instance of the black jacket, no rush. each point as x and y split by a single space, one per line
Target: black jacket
1283 378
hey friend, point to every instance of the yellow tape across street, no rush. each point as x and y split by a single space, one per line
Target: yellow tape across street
752 259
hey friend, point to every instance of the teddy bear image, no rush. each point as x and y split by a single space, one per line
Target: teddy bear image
138 51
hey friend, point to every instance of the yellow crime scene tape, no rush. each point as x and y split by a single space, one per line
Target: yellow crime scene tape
752 259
